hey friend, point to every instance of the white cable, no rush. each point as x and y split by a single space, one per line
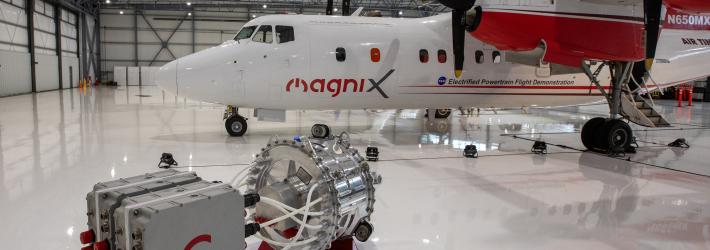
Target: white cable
234 182
294 218
286 216
285 244
305 215
283 207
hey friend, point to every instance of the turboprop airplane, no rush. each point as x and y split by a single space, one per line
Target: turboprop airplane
535 53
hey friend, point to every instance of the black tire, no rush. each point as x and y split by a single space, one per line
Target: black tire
442 113
590 132
236 125
320 131
616 134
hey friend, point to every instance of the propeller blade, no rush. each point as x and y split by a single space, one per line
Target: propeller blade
458 30
652 12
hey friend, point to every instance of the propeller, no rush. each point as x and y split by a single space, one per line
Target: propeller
652 17
461 22
652 12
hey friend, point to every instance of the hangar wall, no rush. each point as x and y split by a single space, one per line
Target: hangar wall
139 38
38 52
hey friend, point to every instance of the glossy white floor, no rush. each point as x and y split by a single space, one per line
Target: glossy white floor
54 146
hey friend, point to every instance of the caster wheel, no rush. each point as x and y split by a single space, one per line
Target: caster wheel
590 132
616 135
320 131
442 113
236 125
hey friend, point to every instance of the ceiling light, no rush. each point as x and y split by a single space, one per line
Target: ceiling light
264 6
189 13
108 1
400 12
188 3
253 16
336 9
120 12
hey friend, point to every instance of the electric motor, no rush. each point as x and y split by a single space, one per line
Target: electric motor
314 190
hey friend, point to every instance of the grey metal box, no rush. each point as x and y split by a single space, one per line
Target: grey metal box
107 196
199 215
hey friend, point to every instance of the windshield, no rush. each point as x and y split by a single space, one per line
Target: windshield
245 33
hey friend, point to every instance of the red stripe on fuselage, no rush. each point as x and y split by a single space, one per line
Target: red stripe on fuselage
569 39
510 87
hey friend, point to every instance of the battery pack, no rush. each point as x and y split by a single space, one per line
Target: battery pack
107 196
200 215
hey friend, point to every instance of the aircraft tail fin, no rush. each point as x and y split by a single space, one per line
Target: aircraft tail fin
683 49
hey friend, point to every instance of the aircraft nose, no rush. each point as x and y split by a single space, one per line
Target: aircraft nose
167 77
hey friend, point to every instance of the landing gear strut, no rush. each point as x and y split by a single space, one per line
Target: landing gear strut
609 135
235 124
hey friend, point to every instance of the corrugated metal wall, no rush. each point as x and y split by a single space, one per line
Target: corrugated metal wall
136 38
56 63
14 54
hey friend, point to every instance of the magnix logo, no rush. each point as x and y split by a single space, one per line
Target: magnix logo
337 86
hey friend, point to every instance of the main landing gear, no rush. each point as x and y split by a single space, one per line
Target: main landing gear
609 135
235 124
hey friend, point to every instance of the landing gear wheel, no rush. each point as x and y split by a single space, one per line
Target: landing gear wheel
590 132
236 125
617 136
442 113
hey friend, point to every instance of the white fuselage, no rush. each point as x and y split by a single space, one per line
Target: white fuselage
305 74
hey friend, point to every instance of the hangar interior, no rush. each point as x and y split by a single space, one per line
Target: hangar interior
59 137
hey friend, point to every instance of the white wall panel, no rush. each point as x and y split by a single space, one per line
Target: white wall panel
70 72
118 51
47 72
133 76
148 75
13 33
14 73
119 75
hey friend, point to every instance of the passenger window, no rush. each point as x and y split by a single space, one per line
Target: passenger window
245 33
264 34
479 56
284 34
423 56
441 54
496 57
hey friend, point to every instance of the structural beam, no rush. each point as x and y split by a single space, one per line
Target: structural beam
30 11
135 37
58 40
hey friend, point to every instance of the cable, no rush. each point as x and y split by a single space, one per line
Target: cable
286 216
305 215
234 182
283 244
294 218
214 165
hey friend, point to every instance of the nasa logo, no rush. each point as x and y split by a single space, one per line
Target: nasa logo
442 80
337 86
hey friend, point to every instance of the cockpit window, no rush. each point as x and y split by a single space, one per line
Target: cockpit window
245 33
284 34
264 34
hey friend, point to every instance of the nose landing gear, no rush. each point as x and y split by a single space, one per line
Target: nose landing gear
235 124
